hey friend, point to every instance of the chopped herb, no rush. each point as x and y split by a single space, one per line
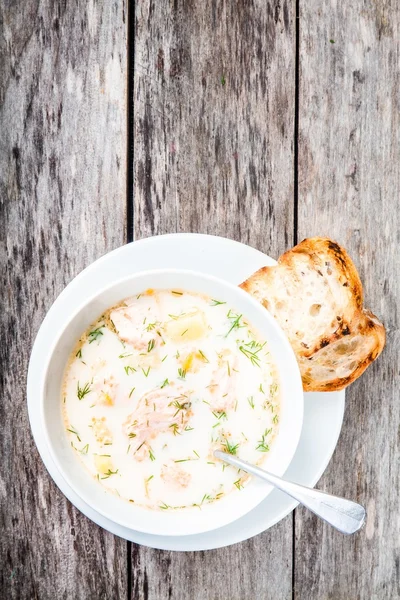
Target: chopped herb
177 355
151 326
166 382
73 430
205 402
210 463
332 41
238 484
261 389
183 333
236 322
244 437
217 302
164 358
151 345
223 81
129 447
151 455
194 452
125 355
131 392
275 419
95 334
236 405
109 473
138 448
179 406
220 414
146 373
183 460
79 353
181 373
250 400
164 506
204 357
85 449
150 478
252 356
129 369
230 448
229 368
131 435
81 392
177 293
175 428
187 428
262 445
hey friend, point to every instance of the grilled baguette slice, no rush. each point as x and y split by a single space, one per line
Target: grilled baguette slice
316 295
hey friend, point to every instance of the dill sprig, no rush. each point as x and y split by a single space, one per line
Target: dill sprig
79 353
216 302
181 373
81 392
230 448
175 428
151 345
109 473
128 369
73 430
262 444
219 414
235 319
95 334
125 355
151 455
250 354
204 357
165 382
250 400
146 373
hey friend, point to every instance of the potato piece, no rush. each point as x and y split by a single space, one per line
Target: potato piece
186 328
103 464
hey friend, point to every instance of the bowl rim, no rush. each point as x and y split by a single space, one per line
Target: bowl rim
264 313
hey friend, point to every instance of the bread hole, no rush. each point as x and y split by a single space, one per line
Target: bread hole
314 309
341 348
352 365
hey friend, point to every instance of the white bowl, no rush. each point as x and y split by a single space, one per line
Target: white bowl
187 521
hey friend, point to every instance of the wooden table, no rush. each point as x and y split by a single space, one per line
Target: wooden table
262 121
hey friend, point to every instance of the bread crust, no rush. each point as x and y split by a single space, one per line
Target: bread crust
348 339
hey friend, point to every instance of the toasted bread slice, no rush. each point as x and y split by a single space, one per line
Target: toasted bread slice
316 295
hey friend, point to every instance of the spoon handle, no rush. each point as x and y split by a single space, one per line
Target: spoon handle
345 515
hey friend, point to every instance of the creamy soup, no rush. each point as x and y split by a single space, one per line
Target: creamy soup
156 385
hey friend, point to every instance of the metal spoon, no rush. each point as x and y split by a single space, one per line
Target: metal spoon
345 515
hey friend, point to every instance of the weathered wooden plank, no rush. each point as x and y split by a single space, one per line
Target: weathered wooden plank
62 186
349 176
213 148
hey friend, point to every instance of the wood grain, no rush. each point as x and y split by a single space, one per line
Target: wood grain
213 149
214 120
349 189
62 188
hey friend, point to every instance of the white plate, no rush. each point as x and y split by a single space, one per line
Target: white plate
323 413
